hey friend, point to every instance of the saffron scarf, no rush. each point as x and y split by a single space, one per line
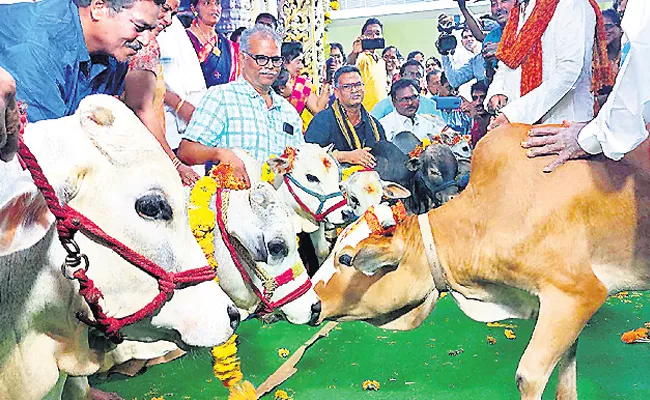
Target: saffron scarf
525 49
348 130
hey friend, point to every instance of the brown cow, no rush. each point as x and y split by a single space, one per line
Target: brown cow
516 243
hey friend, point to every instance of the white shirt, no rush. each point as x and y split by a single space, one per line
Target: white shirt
566 70
421 125
620 125
183 75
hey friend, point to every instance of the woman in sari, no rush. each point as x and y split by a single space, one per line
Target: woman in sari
302 96
218 56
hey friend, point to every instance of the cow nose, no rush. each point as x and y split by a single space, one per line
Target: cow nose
348 215
315 313
277 248
235 317
346 260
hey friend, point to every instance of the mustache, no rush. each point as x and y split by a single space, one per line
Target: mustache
134 45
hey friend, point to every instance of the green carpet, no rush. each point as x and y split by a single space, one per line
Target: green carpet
411 365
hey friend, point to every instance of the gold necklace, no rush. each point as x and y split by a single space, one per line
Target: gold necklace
206 40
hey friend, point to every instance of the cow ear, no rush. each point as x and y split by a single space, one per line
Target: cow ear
26 218
394 190
376 253
115 130
279 165
413 164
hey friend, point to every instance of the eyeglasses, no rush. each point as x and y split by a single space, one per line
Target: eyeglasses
350 87
263 60
336 55
410 99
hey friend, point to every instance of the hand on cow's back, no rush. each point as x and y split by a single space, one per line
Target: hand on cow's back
9 117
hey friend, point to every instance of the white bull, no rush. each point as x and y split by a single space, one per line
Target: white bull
262 223
104 163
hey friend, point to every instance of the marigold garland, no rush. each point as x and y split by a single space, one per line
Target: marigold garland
639 335
227 366
415 153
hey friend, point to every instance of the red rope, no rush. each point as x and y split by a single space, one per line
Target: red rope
268 305
69 221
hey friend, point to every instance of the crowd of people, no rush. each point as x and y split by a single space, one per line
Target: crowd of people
202 93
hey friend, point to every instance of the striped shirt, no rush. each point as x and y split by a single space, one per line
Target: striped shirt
234 115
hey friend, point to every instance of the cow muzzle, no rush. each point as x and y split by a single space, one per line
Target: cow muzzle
315 314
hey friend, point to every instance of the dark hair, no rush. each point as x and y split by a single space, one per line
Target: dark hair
281 80
613 15
466 29
408 64
436 62
337 46
480 86
391 47
435 72
116 5
272 17
402 84
372 21
346 69
414 53
291 50
237 33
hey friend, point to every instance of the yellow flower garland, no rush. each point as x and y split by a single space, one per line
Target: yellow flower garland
227 366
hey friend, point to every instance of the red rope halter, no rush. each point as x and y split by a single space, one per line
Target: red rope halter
282 279
68 222
318 217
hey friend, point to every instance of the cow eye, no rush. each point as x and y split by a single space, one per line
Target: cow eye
354 201
153 206
312 178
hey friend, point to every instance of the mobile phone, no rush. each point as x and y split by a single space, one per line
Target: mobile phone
447 103
372 44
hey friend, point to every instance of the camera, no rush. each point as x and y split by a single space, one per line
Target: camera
447 24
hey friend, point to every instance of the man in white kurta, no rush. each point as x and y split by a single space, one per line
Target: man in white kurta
564 93
406 99
623 121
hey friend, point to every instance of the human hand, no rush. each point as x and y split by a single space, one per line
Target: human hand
497 102
489 49
563 141
468 108
9 117
228 156
361 157
187 174
357 48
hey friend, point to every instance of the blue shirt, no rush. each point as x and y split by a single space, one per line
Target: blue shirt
475 67
43 47
385 107
234 115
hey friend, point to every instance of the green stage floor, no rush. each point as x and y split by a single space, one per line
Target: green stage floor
411 365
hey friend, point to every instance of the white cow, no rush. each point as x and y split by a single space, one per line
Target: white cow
104 163
314 179
365 188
